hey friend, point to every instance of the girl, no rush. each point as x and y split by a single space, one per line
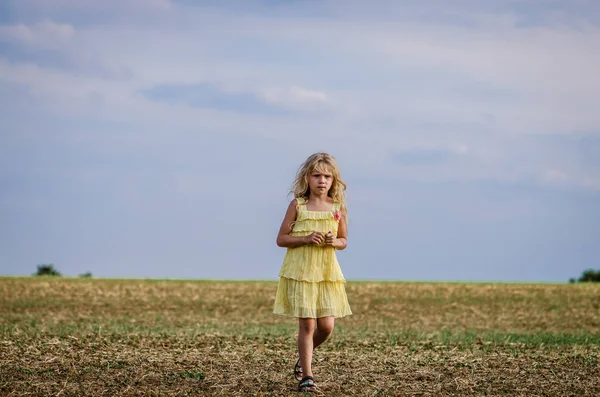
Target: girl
311 284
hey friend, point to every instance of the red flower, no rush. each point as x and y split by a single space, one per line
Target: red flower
337 215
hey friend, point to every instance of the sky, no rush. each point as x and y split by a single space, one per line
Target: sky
160 138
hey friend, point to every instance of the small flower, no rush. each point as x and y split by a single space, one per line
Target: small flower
337 215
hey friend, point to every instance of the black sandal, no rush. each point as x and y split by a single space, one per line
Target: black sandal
298 371
307 384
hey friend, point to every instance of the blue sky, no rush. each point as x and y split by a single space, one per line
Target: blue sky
159 138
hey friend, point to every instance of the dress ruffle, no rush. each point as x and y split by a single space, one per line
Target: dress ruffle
315 215
311 300
311 263
307 226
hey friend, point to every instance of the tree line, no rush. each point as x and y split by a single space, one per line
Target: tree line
588 276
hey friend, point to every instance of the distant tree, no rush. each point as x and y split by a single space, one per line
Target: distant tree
47 270
590 275
86 275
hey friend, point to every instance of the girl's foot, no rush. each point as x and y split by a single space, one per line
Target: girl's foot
307 384
298 371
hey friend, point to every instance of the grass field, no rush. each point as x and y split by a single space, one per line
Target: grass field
148 337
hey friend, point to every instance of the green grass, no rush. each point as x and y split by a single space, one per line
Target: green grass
81 336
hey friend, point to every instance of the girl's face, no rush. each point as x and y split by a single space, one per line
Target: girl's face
319 181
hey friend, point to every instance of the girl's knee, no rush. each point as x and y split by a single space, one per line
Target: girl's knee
326 327
307 330
306 326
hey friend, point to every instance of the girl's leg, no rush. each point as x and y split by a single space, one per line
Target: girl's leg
309 337
305 344
324 330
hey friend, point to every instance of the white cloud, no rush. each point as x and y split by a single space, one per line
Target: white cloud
45 35
553 175
461 148
415 84
582 179
591 182
294 97
90 6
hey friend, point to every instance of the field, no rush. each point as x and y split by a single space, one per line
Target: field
68 337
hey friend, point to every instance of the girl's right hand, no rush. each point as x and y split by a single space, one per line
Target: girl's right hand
316 238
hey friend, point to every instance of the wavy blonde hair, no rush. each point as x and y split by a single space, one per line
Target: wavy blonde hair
322 162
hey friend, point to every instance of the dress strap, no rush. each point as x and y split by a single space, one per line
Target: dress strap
300 204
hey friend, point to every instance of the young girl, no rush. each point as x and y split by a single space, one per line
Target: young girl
311 284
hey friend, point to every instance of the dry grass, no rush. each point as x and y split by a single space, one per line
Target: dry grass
136 337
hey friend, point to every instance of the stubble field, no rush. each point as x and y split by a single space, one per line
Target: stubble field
148 337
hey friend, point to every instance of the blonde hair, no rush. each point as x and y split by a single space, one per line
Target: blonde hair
322 162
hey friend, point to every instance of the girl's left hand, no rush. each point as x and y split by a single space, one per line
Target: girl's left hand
329 238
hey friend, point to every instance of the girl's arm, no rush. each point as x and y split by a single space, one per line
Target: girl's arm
284 239
341 241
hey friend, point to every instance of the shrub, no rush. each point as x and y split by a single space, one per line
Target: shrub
590 275
86 275
47 270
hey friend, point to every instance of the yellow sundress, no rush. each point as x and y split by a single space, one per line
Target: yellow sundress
311 283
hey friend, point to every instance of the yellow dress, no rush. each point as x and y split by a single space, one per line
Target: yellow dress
311 283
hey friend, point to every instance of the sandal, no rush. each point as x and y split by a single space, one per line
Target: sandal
298 371
307 384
